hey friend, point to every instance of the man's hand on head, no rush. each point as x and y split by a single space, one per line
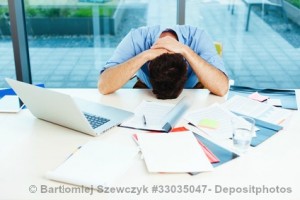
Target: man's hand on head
170 44
153 53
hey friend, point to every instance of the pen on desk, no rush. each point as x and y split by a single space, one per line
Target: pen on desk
73 152
144 119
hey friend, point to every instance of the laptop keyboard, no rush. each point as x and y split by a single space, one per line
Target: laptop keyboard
95 121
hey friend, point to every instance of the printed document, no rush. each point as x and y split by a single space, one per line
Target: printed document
157 116
214 121
152 112
263 111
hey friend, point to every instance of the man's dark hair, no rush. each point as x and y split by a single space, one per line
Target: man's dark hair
168 74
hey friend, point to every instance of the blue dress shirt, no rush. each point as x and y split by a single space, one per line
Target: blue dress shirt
141 39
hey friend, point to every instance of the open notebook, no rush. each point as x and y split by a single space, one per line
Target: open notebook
157 116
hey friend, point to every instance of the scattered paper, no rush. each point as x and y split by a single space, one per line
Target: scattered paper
157 116
174 153
95 163
274 102
255 109
10 104
211 157
213 120
153 112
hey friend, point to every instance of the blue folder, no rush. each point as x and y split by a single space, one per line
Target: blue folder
287 97
266 130
221 153
9 91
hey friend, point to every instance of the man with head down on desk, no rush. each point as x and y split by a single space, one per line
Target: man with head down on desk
165 60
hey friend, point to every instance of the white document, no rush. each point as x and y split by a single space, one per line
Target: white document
251 108
214 121
152 112
95 163
274 102
156 115
178 152
10 104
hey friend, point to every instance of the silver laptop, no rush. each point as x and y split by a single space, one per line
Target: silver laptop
80 115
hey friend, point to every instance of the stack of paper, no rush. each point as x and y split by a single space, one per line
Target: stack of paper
175 153
95 163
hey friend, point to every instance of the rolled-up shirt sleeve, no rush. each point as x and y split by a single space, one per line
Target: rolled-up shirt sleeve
207 50
202 44
124 51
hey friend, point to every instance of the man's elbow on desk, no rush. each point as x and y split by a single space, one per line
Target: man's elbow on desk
103 88
221 90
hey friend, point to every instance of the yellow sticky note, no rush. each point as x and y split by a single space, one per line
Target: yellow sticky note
209 123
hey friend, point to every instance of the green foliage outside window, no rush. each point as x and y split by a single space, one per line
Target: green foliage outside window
294 2
64 12
106 11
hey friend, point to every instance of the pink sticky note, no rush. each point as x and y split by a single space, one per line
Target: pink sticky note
256 96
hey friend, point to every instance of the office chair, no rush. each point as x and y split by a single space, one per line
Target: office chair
219 48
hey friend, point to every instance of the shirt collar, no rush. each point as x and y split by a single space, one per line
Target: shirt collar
174 28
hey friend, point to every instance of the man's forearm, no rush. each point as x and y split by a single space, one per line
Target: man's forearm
211 78
115 77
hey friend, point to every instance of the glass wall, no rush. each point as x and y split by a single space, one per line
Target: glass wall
70 40
267 54
7 65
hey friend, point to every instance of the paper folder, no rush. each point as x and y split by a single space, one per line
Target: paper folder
286 96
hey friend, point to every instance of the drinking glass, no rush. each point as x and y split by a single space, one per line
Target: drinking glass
243 131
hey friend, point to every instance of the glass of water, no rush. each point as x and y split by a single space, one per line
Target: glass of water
243 131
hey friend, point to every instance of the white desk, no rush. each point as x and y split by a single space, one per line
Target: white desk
30 147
